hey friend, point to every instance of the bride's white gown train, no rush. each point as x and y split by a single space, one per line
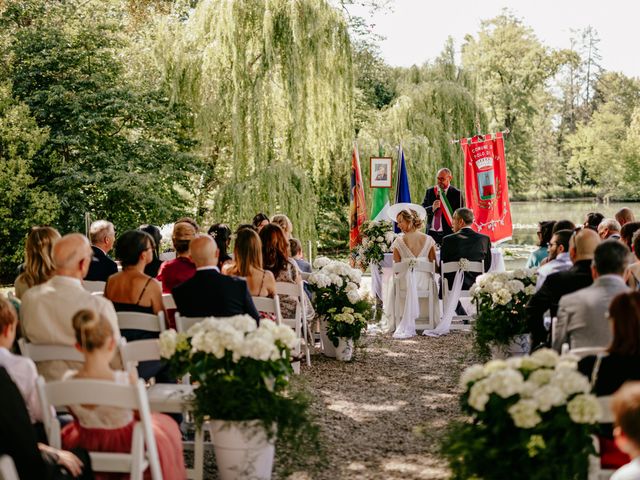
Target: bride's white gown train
410 282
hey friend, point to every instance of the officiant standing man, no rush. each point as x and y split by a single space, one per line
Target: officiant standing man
438 226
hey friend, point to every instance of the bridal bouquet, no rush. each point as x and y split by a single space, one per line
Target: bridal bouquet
377 238
336 289
501 298
531 418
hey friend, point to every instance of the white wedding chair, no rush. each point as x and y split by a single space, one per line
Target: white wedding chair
141 321
110 394
45 353
586 351
429 291
462 265
299 323
596 472
305 276
94 286
168 301
185 323
269 305
8 468
132 353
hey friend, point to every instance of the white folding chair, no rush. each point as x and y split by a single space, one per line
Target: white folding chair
168 301
299 323
596 472
305 275
110 394
269 305
93 286
141 321
427 270
138 351
8 469
454 267
586 351
185 323
45 353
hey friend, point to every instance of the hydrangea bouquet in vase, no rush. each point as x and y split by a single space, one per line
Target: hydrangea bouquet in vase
242 375
377 238
344 312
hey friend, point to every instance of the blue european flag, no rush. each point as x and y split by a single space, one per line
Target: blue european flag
403 194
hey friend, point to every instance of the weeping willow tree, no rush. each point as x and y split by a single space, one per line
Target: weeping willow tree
436 104
271 87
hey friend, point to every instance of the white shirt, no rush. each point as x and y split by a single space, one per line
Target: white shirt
23 372
559 264
630 471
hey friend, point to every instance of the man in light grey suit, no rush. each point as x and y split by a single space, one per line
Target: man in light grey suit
582 315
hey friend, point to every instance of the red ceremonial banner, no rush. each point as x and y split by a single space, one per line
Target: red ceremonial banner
357 208
486 188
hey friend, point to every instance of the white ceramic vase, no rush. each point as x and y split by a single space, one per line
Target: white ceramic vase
328 349
344 350
242 449
519 346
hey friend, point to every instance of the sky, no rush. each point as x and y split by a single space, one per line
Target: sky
416 30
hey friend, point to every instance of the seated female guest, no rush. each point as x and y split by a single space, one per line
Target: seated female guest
632 274
221 233
154 267
38 261
545 232
109 429
247 263
621 362
260 221
284 223
275 257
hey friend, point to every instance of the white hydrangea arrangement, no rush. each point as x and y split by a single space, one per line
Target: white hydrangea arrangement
526 409
336 289
377 238
501 298
347 323
233 358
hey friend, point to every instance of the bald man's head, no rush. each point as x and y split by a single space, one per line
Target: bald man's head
204 251
583 245
72 255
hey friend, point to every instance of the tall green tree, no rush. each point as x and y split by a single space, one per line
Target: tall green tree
511 67
113 150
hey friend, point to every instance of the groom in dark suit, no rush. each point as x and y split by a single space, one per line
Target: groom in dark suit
209 293
437 226
465 243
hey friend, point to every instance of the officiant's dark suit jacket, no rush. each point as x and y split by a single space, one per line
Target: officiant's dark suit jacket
209 293
101 266
455 200
469 244
553 289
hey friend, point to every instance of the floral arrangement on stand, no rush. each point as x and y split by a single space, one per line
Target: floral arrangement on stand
338 301
377 238
531 418
242 375
500 299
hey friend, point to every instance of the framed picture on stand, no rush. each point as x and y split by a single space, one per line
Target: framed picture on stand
381 172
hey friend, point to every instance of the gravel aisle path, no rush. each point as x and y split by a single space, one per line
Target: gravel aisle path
383 415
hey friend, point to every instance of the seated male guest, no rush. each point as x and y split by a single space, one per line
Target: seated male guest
465 243
559 259
103 236
582 245
209 293
624 216
609 228
47 309
582 315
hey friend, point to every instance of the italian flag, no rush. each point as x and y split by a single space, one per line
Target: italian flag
445 206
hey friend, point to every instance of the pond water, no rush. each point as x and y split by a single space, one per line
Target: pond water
526 215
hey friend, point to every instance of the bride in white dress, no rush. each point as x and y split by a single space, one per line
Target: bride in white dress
411 246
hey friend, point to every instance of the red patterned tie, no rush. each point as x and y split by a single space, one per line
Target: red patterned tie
437 219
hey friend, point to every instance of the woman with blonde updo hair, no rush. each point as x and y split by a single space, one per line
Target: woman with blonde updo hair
109 429
38 261
284 223
411 245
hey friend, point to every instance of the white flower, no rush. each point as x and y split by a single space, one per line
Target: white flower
515 286
389 237
529 363
505 382
336 280
471 374
244 323
584 409
546 357
380 239
168 342
353 296
351 286
281 333
524 414
570 381
320 262
549 396
494 366
514 362
479 395
320 280
528 389
541 376
530 289
463 264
